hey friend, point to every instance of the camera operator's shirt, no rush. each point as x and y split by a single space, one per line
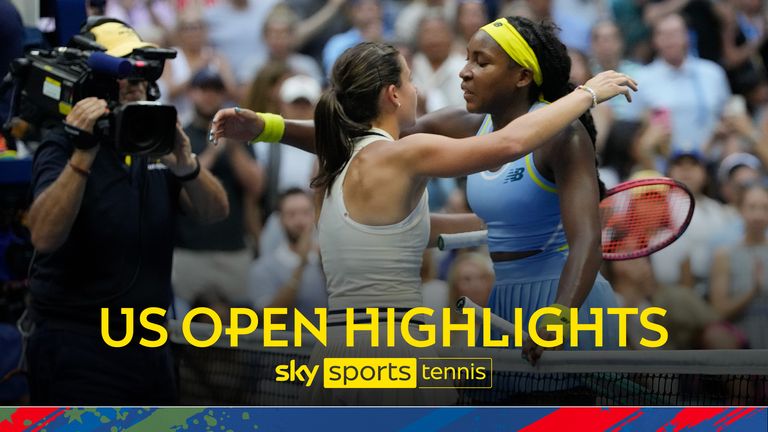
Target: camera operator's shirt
120 248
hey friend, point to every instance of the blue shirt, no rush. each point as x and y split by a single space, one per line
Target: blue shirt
621 108
519 205
341 42
336 47
694 94
239 34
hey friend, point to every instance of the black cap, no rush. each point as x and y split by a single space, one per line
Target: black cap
694 155
207 78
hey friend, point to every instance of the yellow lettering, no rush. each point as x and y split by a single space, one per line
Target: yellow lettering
372 327
468 327
234 331
428 328
160 330
391 327
270 326
282 372
319 332
128 312
518 327
487 341
623 313
597 327
533 330
187 322
652 326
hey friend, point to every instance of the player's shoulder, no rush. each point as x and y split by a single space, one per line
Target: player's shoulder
575 134
568 144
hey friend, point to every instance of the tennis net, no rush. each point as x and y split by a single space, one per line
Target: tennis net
222 375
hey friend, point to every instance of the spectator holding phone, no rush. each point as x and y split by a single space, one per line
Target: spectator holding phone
692 91
652 146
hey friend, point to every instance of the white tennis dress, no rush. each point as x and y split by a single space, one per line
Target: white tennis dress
371 266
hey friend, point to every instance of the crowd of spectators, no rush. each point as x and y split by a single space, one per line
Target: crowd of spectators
700 117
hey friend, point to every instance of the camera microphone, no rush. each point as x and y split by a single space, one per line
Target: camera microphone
113 66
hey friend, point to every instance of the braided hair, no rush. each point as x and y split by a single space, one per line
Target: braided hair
555 69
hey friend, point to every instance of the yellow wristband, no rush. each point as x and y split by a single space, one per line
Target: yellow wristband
562 320
274 128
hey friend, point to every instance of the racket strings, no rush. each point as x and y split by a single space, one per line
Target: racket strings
643 219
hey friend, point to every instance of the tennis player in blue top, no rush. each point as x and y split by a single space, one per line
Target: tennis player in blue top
542 210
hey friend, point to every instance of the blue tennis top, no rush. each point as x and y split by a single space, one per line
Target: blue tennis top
520 207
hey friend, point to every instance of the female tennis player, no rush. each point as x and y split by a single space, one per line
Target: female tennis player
373 222
541 211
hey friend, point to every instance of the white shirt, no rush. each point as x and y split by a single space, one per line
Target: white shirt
239 34
272 271
441 86
409 18
709 218
576 19
296 166
694 94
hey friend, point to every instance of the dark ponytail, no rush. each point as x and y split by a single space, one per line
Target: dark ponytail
346 110
555 69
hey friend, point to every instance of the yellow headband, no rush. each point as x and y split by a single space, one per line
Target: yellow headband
510 40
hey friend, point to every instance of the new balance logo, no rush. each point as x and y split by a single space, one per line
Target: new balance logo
514 175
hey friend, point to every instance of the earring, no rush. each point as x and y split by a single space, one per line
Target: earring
398 104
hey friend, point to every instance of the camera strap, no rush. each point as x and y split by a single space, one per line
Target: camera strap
81 139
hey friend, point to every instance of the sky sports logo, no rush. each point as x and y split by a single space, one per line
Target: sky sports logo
400 373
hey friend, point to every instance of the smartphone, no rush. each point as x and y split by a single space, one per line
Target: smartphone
736 107
661 117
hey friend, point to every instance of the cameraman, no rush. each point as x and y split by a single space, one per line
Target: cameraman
103 227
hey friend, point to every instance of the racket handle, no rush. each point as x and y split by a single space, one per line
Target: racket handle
462 240
497 322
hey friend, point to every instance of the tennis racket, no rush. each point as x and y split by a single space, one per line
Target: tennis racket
497 322
638 218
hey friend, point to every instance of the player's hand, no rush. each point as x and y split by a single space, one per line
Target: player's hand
532 352
86 112
611 83
236 123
